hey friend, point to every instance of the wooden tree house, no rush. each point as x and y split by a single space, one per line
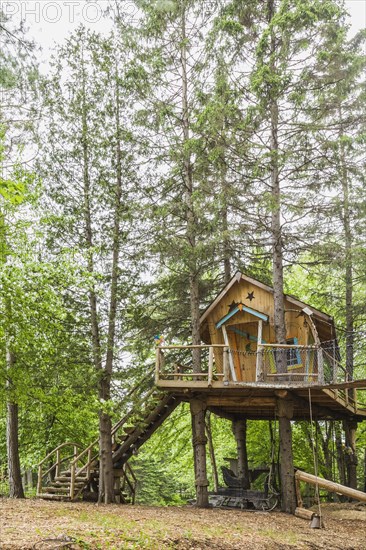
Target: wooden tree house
242 377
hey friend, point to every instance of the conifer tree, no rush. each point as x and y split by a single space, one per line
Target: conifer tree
90 173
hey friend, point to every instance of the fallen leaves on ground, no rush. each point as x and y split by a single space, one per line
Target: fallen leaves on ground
41 525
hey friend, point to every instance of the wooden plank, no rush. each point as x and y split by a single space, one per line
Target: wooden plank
245 402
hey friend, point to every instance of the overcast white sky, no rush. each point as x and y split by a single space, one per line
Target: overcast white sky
50 21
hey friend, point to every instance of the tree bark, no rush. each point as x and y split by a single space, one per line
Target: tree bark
240 432
12 439
106 492
348 243
190 208
286 457
351 461
199 441
107 487
288 493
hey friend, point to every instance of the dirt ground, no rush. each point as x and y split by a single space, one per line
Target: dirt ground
39 525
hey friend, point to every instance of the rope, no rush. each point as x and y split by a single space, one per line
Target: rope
314 458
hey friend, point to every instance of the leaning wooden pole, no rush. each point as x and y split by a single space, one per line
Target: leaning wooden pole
330 486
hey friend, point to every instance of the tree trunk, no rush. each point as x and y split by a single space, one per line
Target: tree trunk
106 479
199 441
106 493
288 493
348 243
225 224
286 459
350 428
240 432
211 450
276 228
190 208
12 441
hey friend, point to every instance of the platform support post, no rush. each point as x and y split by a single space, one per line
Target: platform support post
199 441
239 427
285 409
350 427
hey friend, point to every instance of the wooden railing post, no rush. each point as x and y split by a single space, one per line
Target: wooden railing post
225 363
335 365
72 480
320 366
157 365
210 366
259 372
259 362
58 463
39 480
89 463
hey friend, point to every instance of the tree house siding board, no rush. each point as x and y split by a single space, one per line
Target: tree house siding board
300 328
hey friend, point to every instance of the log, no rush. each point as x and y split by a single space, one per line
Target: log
304 514
331 486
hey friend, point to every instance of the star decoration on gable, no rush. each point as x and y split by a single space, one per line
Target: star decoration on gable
233 305
250 296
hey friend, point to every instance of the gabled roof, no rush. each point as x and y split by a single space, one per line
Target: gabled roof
240 277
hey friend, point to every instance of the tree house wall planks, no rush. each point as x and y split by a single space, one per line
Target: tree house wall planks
242 327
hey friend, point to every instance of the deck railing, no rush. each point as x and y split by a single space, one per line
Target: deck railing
269 363
290 363
180 369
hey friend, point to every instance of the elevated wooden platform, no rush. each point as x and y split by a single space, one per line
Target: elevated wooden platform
305 389
258 401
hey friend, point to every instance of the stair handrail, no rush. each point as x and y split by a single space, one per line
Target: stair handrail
92 457
114 430
57 464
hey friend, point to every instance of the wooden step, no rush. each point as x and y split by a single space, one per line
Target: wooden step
59 490
58 483
66 479
51 496
67 473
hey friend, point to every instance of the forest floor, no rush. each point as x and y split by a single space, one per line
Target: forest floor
40 525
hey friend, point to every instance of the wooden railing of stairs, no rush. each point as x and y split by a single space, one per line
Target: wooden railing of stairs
81 477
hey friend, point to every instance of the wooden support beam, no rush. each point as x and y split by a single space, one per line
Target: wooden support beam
239 428
285 411
246 402
199 441
330 486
